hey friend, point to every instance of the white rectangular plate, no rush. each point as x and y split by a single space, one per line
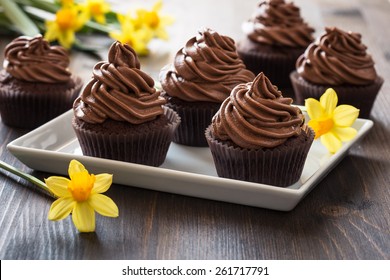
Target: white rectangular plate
186 170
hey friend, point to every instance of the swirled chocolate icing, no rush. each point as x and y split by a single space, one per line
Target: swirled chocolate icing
119 90
256 115
276 22
34 60
335 58
206 69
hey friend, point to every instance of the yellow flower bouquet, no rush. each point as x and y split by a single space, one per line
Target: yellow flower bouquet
62 20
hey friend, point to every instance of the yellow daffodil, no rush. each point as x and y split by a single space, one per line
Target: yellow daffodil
81 196
330 123
154 20
97 9
138 39
68 20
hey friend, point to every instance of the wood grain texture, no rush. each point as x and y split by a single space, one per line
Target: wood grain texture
347 215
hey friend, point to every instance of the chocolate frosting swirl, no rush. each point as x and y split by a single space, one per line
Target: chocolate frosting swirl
206 69
276 22
34 60
336 58
119 90
256 115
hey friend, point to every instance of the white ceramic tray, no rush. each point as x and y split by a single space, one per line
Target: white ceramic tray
186 170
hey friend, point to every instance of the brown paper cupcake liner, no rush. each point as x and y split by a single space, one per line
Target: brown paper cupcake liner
281 166
361 97
145 147
29 105
276 64
195 118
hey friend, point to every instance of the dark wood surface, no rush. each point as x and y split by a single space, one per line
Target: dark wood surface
346 216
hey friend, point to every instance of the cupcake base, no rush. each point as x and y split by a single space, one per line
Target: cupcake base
361 97
28 105
276 62
280 166
146 143
195 118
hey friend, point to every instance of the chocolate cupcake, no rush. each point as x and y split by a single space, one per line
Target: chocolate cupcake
120 114
200 78
338 60
276 36
35 84
258 136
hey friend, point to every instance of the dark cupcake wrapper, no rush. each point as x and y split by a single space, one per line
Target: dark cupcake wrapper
280 166
361 97
194 121
23 109
148 147
276 65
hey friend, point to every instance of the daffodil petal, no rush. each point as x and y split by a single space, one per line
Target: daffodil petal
314 108
166 20
116 35
100 19
75 167
344 133
102 183
331 142
157 6
121 18
345 115
161 34
61 208
67 38
58 185
329 101
104 205
140 14
51 31
83 217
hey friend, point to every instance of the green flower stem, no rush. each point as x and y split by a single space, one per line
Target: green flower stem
19 18
27 177
4 21
98 27
49 6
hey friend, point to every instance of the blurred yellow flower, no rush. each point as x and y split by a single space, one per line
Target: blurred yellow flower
330 123
68 20
138 39
97 9
139 28
153 20
81 196
64 20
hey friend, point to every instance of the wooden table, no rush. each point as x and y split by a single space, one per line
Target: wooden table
346 216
